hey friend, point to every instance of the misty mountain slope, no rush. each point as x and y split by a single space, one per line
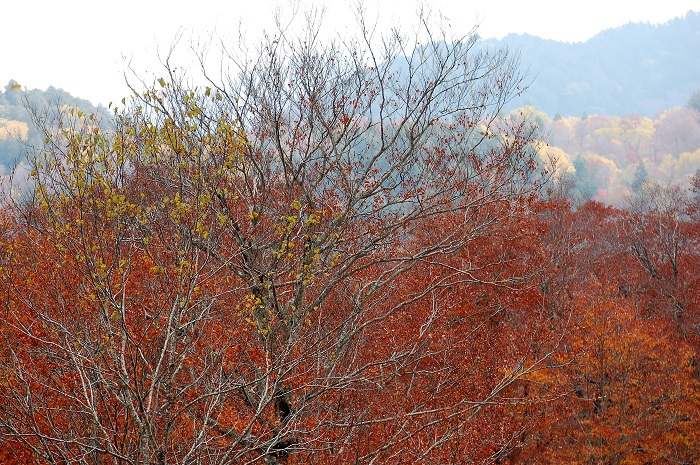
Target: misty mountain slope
636 68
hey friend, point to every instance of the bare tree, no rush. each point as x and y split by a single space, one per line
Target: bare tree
656 235
250 271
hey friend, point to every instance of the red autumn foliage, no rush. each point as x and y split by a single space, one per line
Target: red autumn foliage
258 272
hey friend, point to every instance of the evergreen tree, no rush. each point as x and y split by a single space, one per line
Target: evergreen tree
586 183
640 177
694 100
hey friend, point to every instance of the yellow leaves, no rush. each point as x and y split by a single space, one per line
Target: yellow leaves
312 219
100 268
334 258
285 247
221 218
117 205
201 229
204 200
161 81
259 318
180 209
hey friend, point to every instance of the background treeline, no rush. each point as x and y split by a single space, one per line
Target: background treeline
17 131
608 157
610 108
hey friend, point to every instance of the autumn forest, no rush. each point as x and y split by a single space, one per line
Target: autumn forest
344 253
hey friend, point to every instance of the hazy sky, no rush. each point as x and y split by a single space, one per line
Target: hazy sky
83 46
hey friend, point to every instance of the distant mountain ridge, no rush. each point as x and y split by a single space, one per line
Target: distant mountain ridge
637 68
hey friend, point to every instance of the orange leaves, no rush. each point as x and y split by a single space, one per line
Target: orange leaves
320 261
631 383
621 376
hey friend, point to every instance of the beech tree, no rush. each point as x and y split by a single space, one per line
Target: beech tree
657 234
630 391
625 380
257 269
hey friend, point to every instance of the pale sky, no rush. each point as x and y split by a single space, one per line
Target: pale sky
83 46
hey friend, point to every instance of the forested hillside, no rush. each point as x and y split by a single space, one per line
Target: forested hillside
610 157
636 68
607 157
17 130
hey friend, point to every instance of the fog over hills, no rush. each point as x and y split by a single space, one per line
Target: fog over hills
636 68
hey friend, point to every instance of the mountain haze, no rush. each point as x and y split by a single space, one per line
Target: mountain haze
636 68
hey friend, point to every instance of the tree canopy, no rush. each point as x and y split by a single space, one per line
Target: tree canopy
338 253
